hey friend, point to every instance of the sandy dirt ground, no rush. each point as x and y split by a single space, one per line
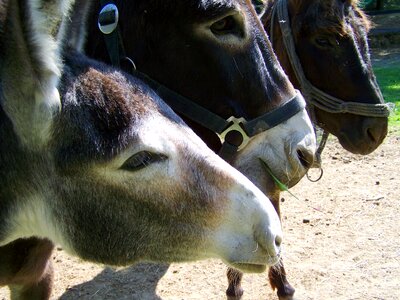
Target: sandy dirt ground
342 242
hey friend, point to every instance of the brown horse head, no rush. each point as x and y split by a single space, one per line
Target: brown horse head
330 38
216 54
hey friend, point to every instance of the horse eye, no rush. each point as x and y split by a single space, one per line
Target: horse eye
141 160
323 42
224 26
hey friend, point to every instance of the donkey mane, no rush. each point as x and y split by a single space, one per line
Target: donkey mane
2 15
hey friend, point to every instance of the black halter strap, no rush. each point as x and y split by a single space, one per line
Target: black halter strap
108 25
224 128
234 133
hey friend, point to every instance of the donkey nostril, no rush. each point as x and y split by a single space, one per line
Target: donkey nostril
278 241
306 157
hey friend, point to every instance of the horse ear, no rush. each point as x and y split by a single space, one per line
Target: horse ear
31 47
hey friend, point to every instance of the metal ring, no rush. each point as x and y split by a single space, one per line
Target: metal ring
235 126
130 61
108 18
319 178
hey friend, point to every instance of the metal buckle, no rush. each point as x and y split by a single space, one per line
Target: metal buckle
235 126
108 18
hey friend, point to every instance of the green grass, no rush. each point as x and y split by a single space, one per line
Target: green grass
389 82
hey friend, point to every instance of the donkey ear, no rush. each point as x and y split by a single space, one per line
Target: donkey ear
76 27
31 48
260 6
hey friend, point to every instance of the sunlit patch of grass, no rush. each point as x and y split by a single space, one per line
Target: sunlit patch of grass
389 82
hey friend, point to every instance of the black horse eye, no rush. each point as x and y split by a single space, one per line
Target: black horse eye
224 26
141 160
323 42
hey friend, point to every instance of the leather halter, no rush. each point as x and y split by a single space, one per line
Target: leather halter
234 133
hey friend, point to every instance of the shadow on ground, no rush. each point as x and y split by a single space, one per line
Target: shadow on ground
136 282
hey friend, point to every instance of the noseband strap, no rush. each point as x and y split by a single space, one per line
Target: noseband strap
314 95
234 133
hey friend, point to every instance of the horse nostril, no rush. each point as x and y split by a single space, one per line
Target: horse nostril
375 129
371 135
306 157
278 241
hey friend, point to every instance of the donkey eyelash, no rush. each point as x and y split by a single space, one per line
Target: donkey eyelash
141 160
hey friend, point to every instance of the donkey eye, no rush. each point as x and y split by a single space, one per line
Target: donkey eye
225 26
141 160
323 42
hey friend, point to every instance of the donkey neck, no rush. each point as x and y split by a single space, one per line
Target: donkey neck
26 184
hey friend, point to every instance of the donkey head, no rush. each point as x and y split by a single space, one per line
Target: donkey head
215 53
117 177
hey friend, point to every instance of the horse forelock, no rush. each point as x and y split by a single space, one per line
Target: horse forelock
332 16
362 18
